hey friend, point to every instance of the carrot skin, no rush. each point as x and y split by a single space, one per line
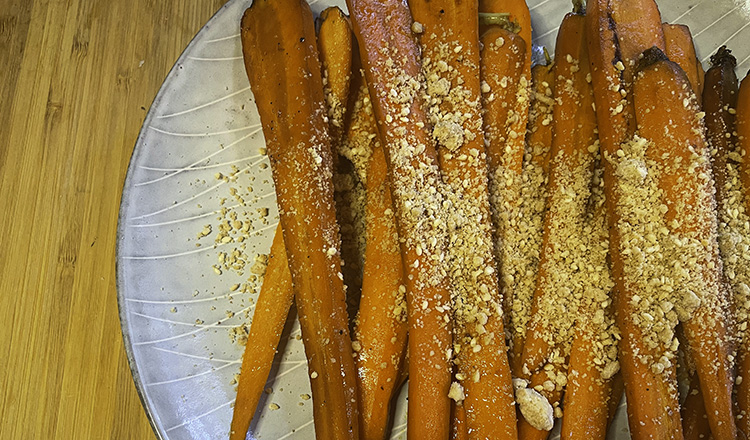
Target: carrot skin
653 409
390 57
681 50
271 311
667 114
289 94
381 326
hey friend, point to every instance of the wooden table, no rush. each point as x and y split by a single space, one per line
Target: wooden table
76 80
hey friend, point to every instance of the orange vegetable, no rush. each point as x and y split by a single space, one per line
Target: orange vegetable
484 374
667 115
638 26
694 417
502 63
289 94
719 101
653 407
518 17
335 48
390 58
680 49
381 328
553 335
271 310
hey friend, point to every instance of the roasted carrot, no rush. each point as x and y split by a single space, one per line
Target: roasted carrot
653 407
271 310
539 133
380 332
502 63
450 50
513 12
589 388
529 222
390 57
563 318
742 389
638 25
587 394
336 58
573 151
667 116
720 101
502 68
335 48
694 417
289 94
681 50
720 96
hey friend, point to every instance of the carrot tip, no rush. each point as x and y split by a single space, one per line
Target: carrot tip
723 56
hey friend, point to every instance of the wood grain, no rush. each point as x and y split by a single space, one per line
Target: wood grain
76 80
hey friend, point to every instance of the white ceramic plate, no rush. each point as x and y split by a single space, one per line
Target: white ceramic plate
175 310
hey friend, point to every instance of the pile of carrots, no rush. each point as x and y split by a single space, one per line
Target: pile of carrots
524 244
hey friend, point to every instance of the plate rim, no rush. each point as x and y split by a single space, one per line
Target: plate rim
153 418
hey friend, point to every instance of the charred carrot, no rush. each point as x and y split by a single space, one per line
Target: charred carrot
380 333
653 406
720 95
667 114
638 25
271 310
681 50
390 58
742 388
289 94
451 68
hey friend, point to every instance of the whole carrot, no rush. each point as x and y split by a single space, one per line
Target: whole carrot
720 95
667 116
390 58
289 94
450 50
653 407
271 310
504 99
571 324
